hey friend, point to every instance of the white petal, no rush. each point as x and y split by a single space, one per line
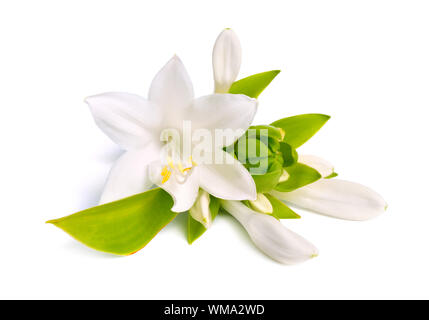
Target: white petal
126 118
234 112
184 193
172 91
270 236
226 60
324 167
336 198
200 211
129 175
229 180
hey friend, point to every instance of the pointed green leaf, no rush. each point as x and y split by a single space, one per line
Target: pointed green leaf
196 229
281 210
254 85
299 176
121 227
298 129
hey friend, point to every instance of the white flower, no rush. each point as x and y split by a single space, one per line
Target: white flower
270 236
336 198
226 60
136 124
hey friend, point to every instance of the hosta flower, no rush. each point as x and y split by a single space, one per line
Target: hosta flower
143 127
189 147
270 236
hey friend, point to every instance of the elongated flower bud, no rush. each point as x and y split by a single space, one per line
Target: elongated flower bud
270 236
336 198
226 60
200 211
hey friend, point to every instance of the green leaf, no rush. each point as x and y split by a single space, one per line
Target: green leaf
299 176
254 85
298 129
196 229
281 210
332 175
290 156
122 227
267 181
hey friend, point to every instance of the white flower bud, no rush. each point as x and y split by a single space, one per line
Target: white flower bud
336 198
226 60
270 236
200 211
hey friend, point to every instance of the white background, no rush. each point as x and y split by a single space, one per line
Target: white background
365 63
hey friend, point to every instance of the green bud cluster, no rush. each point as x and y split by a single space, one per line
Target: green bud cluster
263 151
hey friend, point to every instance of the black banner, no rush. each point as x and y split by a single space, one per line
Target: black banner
215 309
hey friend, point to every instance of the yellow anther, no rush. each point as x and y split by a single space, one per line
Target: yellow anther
165 177
164 171
168 169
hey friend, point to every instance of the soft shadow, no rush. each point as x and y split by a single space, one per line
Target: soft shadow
238 228
89 196
109 156
80 249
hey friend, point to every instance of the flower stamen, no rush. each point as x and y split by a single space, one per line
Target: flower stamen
166 174
181 171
